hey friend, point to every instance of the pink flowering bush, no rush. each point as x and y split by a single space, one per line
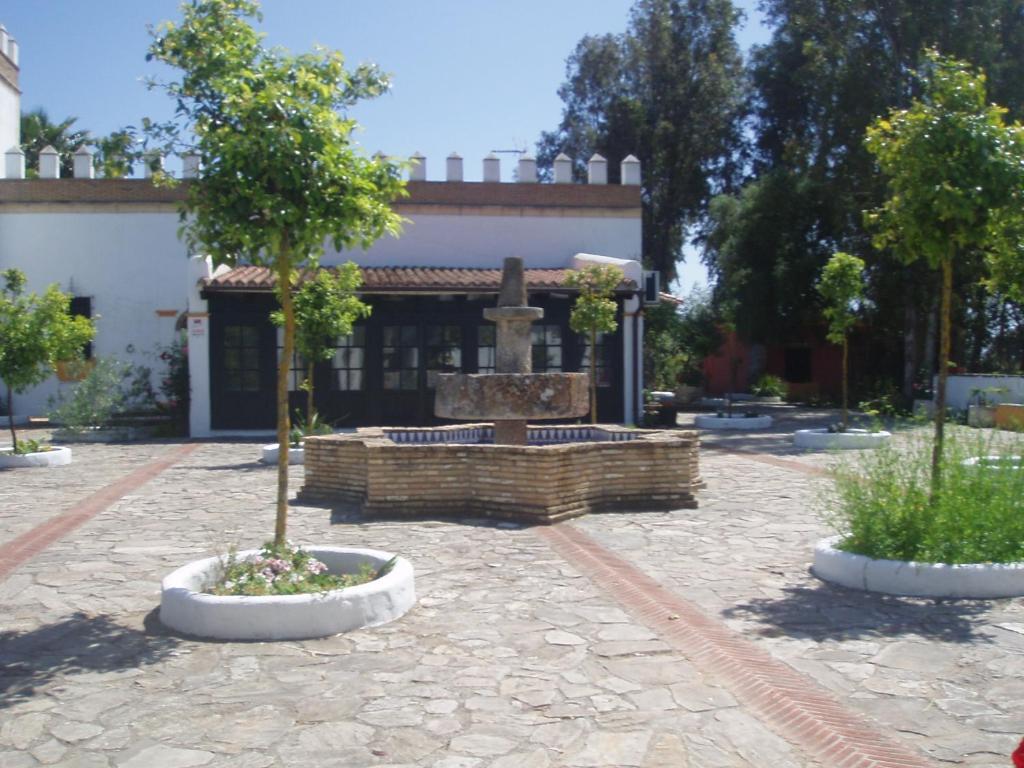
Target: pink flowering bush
287 570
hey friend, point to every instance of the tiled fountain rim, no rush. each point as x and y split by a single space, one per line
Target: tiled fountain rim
483 434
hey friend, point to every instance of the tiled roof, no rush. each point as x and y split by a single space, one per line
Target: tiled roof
405 280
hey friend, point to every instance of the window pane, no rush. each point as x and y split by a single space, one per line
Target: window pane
485 336
392 380
355 357
231 359
251 381
432 379
485 358
355 380
391 335
232 335
409 380
553 334
249 358
233 381
554 361
358 336
537 334
435 335
410 357
250 336
408 335
390 358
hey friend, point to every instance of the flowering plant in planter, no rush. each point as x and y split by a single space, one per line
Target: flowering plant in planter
285 570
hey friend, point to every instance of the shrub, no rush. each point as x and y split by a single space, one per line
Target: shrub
884 508
769 386
286 570
109 389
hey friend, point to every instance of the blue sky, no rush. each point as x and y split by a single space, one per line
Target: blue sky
469 76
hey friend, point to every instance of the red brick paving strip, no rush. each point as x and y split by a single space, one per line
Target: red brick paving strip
775 461
18 551
790 703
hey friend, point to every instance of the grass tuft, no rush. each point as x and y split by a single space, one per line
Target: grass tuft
882 503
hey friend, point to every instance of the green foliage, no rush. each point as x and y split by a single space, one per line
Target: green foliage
115 154
677 339
641 93
326 307
307 427
594 309
884 507
280 175
26 446
175 384
38 132
769 386
842 288
594 312
285 570
110 388
955 171
36 332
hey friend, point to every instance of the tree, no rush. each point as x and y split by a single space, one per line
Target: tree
955 175
841 287
115 154
36 332
671 91
326 307
594 312
829 69
280 175
38 132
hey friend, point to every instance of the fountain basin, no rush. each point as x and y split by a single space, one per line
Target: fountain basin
454 471
511 396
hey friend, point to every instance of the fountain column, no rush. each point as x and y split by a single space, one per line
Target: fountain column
513 340
513 394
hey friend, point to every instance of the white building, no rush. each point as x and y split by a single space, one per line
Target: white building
113 244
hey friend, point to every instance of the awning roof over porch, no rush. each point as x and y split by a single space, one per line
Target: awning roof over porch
405 280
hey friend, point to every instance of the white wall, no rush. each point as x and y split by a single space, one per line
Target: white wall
484 241
10 121
130 264
959 388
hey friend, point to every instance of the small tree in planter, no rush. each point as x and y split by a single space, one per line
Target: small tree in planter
594 312
956 177
35 333
326 307
842 288
279 174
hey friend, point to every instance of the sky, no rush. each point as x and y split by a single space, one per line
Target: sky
468 76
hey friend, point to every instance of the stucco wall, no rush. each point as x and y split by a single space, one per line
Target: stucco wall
130 264
9 121
472 240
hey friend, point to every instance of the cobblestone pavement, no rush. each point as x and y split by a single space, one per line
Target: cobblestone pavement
512 657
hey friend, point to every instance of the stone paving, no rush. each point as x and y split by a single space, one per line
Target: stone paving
512 656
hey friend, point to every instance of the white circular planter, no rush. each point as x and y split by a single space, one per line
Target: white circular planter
899 577
183 607
55 457
270 454
995 462
736 421
823 440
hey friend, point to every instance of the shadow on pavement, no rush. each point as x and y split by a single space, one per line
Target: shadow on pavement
75 645
825 612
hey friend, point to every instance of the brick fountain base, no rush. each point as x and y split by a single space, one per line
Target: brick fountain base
453 471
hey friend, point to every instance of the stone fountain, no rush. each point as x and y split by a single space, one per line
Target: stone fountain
513 394
501 466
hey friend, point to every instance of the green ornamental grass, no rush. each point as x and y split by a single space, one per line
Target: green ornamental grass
883 506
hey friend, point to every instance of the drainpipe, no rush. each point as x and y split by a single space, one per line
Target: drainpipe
630 308
638 361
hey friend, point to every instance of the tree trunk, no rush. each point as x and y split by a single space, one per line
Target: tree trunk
909 338
846 355
10 419
284 269
940 390
593 376
929 338
309 395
